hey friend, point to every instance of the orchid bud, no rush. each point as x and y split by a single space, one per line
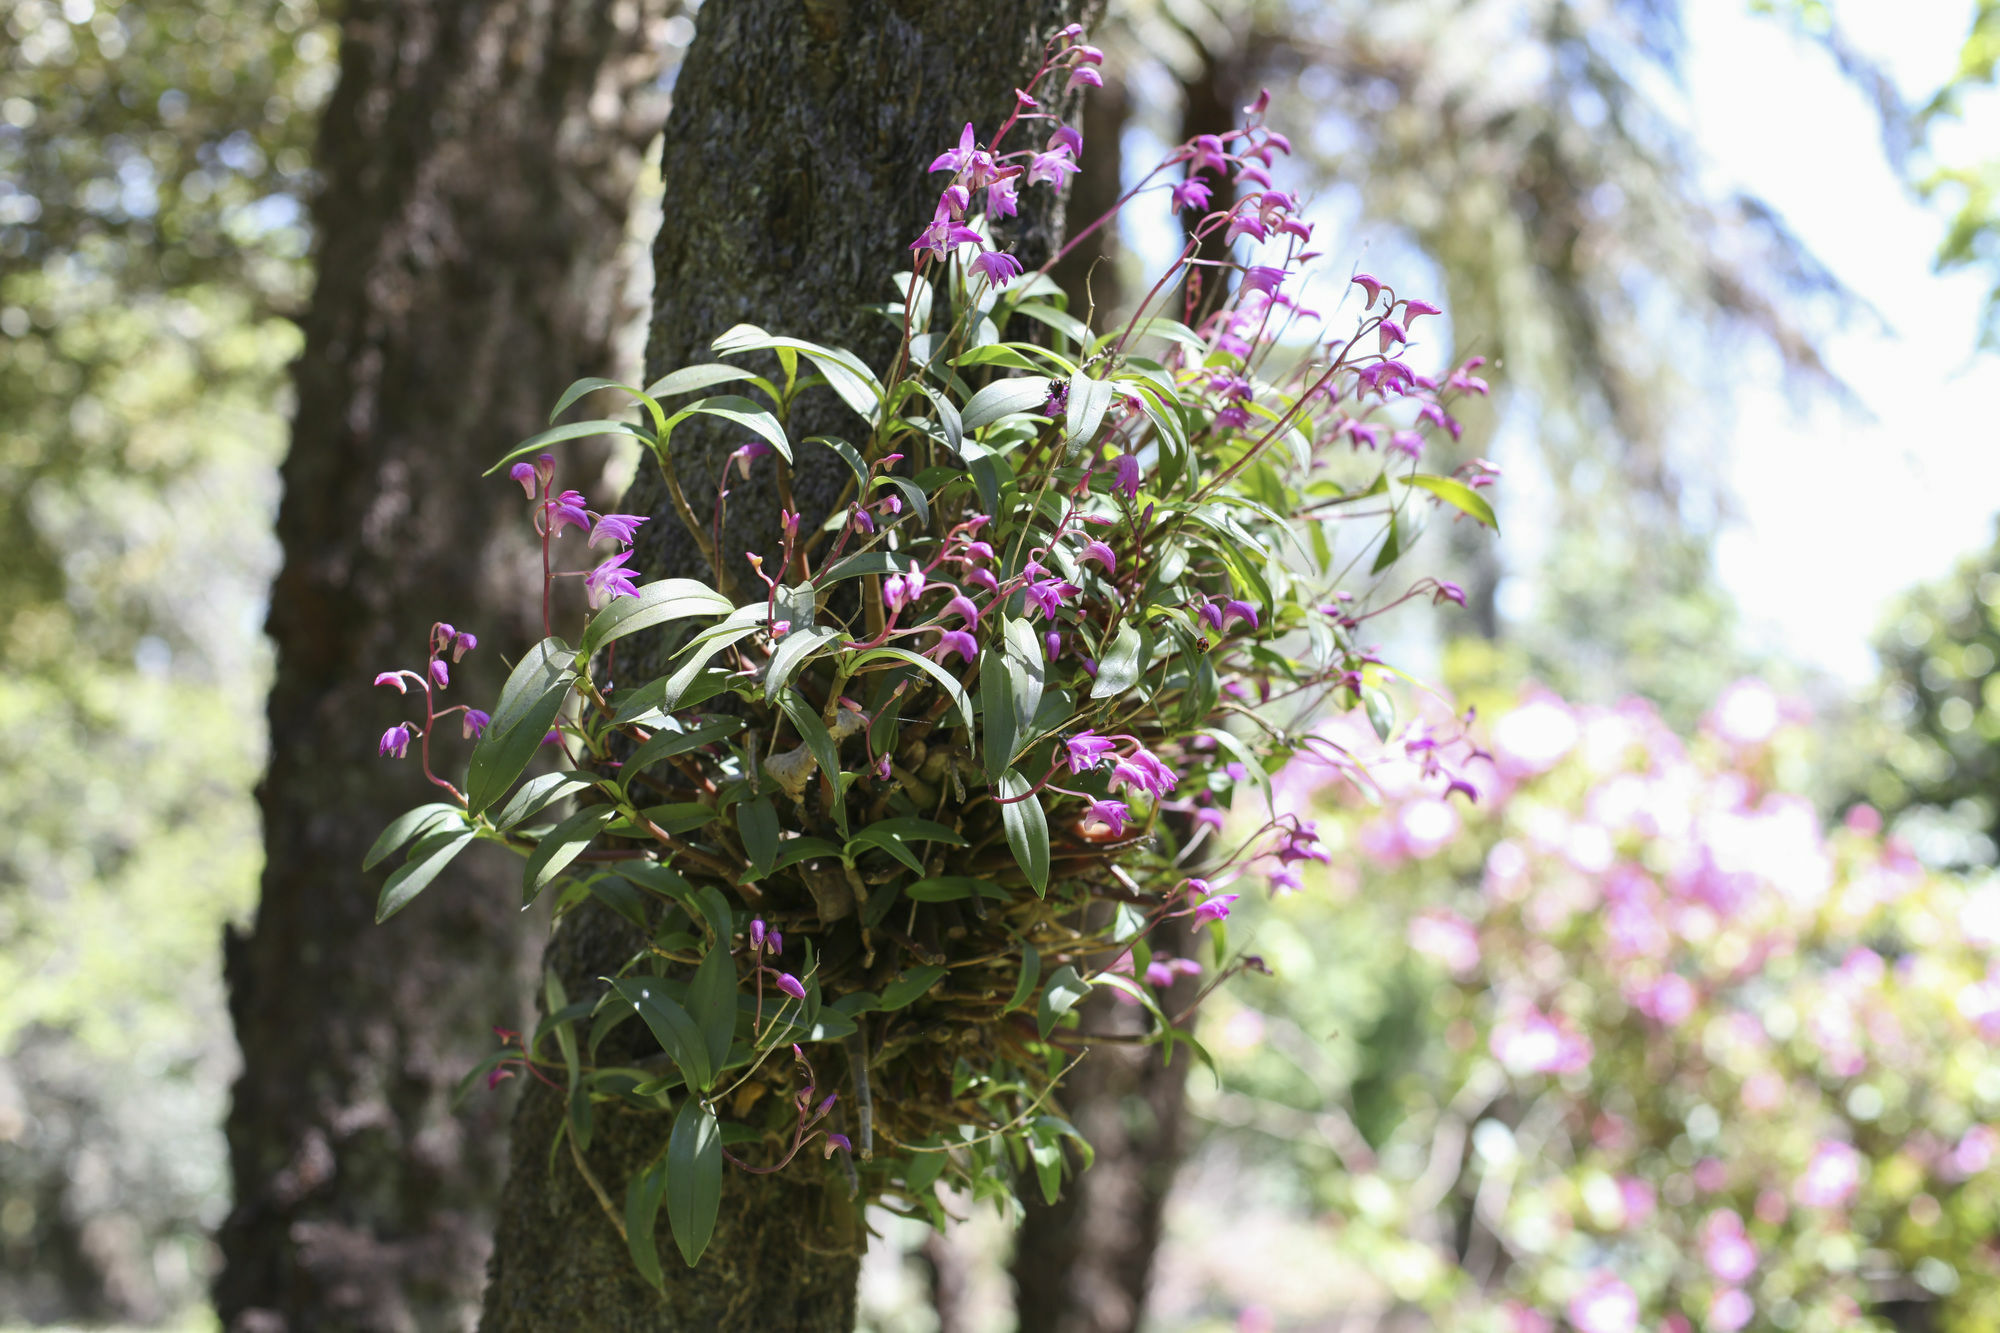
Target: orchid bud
789 984
463 644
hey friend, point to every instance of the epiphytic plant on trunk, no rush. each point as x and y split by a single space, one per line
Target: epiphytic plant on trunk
887 818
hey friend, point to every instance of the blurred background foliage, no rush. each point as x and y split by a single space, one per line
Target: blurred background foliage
1520 154
153 159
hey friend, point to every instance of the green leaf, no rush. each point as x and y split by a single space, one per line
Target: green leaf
912 829
529 702
678 1034
757 823
1392 546
738 411
538 794
888 842
1456 494
1122 664
667 742
694 1178
656 604
1245 756
1068 325
1031 972
1381 711
820 741
793 652
867 562
1027 829
1029 674
946 681
1088 400
794 850
575 430
911 986
846 374
1065 988
560 846
583 386
952 888
712 1002
642 1210
999 721
410 824
689 378
430 856
1003 398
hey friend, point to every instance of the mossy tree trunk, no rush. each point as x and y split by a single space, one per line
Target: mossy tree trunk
478 162
795 174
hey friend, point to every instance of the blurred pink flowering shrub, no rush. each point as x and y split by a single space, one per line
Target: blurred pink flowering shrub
1674 1056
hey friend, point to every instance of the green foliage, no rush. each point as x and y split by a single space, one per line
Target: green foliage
1931 756
945 771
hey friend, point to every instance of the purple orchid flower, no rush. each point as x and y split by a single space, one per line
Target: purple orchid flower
610 579
1126 479
1087 749
790 985
955 641
394 678
1048 595
1111 814
440 673
1055 166
617 528
525 474
957 159
1191 193
395 742
1102 554
474 722
963 607
997 267
1370 286
1215 907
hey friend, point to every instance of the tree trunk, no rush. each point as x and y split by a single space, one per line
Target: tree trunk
795 174
478 161
1084 1264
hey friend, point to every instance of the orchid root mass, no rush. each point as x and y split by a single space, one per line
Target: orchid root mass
891 811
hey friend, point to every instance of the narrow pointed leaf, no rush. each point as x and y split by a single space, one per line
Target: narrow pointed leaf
694 1178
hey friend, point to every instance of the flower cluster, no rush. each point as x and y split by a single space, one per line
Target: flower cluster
972 740
1718 1066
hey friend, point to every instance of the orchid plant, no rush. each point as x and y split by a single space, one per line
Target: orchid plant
975 736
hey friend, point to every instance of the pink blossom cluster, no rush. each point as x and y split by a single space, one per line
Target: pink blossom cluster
1730 1052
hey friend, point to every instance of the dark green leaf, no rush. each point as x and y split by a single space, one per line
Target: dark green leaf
757 823
678 1034
1031 972
712 1002
946 681
1065 988
694 1178
430 856
794 850
410 824
1027 829
642 1210
1088 400
794 650
1024 393
656 604
999 722
1122 664
820 741
560 846
538 794
911 986
951 888
667 742
867 562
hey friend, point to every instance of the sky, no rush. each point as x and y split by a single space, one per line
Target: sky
1837 511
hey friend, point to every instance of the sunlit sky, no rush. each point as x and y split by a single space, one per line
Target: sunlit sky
1838 512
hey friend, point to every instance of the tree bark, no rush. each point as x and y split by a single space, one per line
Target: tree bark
795 174
479 162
